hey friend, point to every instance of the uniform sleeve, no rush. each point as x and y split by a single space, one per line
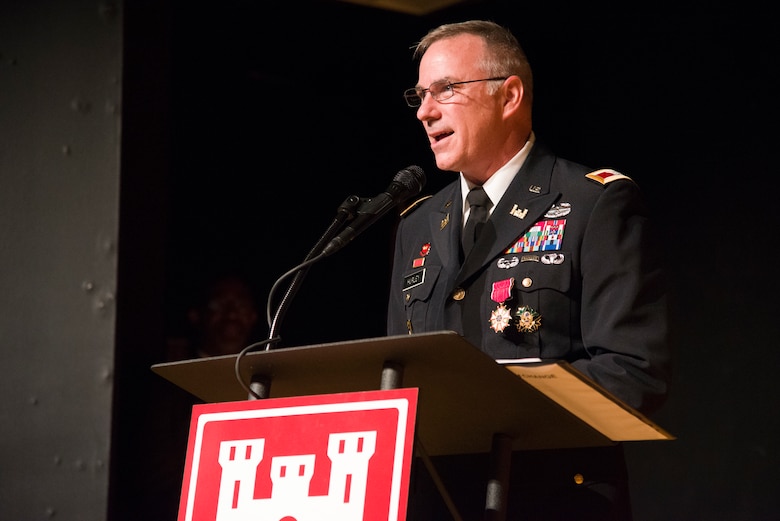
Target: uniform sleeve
624 316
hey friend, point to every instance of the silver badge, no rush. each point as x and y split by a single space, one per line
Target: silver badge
552 258
558 210
508 263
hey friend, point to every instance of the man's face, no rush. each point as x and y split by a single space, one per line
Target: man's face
466 131
229 317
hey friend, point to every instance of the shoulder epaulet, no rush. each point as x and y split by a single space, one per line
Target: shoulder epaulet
414 205
606 175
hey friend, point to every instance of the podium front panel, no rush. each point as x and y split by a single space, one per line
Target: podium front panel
335 456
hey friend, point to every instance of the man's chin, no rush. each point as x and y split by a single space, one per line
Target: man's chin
443 164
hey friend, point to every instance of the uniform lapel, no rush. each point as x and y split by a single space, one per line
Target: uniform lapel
445 227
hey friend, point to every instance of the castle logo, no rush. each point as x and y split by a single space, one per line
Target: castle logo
341 456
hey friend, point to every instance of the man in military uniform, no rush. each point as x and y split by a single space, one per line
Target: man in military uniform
558 262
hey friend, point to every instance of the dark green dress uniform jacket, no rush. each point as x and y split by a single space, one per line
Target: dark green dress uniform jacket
578 254
567 267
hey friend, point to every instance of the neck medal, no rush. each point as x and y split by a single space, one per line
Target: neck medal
501 316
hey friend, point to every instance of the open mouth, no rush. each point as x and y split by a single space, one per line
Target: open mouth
438 137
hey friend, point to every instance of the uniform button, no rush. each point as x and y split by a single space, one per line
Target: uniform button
407 297
458 294
527 282
579 479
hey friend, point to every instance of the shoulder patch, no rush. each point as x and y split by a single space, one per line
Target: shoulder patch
606 175
414 205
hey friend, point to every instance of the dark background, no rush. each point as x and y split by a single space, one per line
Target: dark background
259 120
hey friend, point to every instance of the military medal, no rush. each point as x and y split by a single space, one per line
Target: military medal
501 317
528 320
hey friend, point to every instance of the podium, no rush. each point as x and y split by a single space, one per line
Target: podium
468 403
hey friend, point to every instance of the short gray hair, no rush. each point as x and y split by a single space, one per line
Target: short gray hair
505 56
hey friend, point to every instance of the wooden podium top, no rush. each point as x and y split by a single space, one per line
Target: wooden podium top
465 396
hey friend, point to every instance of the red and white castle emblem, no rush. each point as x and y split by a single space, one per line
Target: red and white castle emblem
341 456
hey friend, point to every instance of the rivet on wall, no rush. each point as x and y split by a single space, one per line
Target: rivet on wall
80 105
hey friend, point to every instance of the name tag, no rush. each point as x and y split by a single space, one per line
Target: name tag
414 279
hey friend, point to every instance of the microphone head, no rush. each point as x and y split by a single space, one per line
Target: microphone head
412 180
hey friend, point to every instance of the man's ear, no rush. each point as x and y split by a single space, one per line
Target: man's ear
514 93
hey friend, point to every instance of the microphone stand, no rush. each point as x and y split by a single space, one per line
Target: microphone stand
259 389
346 212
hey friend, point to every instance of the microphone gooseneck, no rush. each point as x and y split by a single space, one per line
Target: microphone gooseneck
358 214
407 183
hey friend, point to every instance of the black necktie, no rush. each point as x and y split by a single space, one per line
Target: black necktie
478 213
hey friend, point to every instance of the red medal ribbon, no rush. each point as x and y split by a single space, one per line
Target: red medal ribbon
502 289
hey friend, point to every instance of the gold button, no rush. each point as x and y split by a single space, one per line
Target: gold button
527 282
579 479
458 294
407 297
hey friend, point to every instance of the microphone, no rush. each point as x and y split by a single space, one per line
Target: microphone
407 182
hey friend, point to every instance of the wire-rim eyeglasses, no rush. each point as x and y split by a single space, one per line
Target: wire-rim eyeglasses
439 90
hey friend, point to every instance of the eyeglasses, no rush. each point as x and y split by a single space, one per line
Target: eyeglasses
440 91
